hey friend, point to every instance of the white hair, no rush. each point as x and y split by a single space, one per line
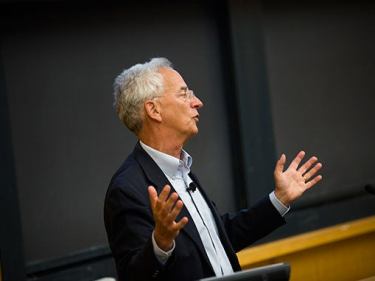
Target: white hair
136 85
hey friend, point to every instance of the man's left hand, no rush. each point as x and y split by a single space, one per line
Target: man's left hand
294 181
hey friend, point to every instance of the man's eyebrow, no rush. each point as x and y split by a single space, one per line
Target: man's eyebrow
184 88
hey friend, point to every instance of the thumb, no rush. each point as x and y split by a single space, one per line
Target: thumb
280 164
153 195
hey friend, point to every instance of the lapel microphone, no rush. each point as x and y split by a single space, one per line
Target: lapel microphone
192 187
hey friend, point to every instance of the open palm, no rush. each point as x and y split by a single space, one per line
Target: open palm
294 181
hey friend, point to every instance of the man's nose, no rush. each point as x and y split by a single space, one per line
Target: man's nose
196 102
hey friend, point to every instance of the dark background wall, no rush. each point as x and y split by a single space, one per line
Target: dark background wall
274 78
320 68
67 139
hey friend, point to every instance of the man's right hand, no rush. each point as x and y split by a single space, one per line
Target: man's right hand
165 208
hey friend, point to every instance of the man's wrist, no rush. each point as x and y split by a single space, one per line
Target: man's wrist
282 197
278 204
165 246
160 254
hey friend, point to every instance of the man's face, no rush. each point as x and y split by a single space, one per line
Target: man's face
178 106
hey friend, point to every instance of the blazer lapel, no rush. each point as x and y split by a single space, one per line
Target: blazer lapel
222 233
157 178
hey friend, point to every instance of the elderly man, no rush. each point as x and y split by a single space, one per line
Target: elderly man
160 223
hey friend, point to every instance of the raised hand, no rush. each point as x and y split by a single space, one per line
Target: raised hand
293 182
165 209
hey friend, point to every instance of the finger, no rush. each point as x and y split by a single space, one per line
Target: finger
181 224
312 172
170 202
296 161
164 193
176 210
160 202
280 164
307 165
153 195
314 181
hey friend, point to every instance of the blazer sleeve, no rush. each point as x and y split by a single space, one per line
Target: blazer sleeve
129 225
250 225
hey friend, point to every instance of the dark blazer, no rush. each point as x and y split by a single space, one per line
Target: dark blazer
129 224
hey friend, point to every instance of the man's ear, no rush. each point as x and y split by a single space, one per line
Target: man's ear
152 110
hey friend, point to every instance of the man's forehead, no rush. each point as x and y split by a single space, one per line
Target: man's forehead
172 78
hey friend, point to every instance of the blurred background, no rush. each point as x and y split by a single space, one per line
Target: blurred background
275 77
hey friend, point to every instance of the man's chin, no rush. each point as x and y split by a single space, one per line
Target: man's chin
193 133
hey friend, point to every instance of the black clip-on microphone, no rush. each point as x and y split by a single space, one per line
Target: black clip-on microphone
192 187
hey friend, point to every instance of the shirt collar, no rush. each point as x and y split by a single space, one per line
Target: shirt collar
168 164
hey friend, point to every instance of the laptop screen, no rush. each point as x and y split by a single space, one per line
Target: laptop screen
273 272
